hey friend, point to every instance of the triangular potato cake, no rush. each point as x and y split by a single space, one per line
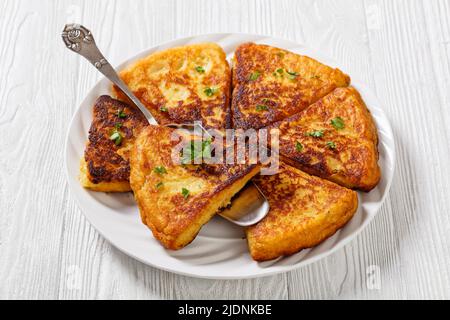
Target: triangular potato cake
270 84
105 165
304 211
175 200
335 138
183 84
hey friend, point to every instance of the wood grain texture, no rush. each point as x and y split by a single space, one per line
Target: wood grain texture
401 49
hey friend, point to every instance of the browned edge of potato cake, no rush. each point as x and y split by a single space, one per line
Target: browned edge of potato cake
334 138
105 165
304 211
175 200
183 84
270 84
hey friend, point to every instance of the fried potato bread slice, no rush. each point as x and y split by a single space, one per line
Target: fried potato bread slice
105 165
270 84
183 84
175 200
335 138
304 211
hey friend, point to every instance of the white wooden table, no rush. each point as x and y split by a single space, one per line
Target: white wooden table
400 48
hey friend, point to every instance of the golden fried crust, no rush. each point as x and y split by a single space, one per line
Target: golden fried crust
304 211
174 219
281 94
105 166
347 156
172 84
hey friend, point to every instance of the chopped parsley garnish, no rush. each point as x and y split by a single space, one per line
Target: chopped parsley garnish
255 75
261 107
209 91
315 134
292 75
116 136
121 114
185 192
298 146
200 69
158 185
206 149
160 170
338 123
315 76
265 100
331 145
280 70
196 150
163 109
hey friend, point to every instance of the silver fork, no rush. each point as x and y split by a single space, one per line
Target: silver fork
248 207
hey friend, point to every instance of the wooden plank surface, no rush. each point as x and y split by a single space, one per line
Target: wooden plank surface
401 49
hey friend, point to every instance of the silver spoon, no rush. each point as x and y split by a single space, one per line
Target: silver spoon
248 207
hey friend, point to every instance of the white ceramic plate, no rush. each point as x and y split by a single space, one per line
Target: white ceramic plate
219 251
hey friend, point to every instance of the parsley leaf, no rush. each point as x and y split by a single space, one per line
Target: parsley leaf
255 75
163 109
206 149
331 145
121 114
298 146
158 185
200 69
261 107
292 75
196 150
315 134
160 170
185 192
209 91
338 123
116 136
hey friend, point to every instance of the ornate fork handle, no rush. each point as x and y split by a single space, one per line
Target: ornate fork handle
80 40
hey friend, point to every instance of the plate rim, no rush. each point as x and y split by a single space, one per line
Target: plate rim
269 271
